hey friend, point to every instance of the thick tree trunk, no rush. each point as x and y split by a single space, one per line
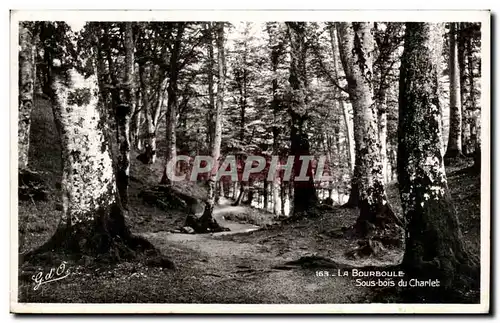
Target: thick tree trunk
356 48
434 244
123 113
27 74
150 137
305 198
454 148
207 220
92 221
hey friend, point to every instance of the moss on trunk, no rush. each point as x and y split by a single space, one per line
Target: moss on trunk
435 247
356 44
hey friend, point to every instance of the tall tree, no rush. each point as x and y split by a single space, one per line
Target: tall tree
434 244
150 140
454 148
207 222
123 112
277 46
304 199
356 45
210 83
93 220
173 101
388 39
26 88
462 69
344 107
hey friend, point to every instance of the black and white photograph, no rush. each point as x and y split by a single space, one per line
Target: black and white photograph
250 161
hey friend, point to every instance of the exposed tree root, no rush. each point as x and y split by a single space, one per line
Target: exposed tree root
366 248
353 201
377 230
106 239
167 198
204 224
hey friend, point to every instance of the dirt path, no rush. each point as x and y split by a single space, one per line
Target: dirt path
234 272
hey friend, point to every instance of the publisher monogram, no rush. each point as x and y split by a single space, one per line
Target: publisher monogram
53 275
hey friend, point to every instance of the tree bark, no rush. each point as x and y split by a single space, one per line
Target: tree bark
434 244
207 220
173 106
343 106
276 45
123 112
27 74
92 221
356 48
283 196
266 194
462 67
454 148
382 135
150 138
138 122
211 95
305 199
241 194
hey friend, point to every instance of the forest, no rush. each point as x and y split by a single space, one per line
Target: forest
217 162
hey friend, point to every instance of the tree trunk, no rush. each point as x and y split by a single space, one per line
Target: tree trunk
241 194
27 74
356 46
150 138
266 194
276 46
454 148
92 222
382 136
343 106
210 76
305 198
207 220
352 148
475 119
250 195
123 113
160 103
353 200
172 90
434 244
462 67
283 191
138 121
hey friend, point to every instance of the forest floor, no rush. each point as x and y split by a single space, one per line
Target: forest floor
245 265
